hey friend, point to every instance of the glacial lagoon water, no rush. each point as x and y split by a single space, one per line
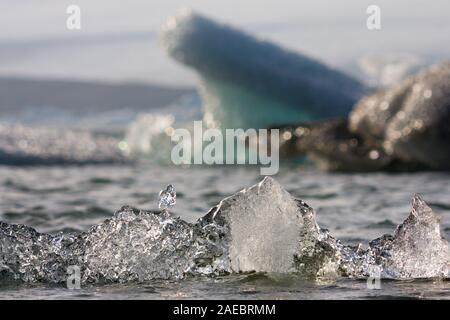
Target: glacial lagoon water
356 208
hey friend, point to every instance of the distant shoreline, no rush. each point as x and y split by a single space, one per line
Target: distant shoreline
19 93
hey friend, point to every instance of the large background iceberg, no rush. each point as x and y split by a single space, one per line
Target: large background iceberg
247 82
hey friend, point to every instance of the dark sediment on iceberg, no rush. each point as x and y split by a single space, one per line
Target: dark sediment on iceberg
259 229
400 128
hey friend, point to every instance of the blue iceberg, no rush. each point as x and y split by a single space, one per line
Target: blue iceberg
247 82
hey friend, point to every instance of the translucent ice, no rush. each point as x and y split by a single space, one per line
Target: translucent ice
417 249
262 228
167 197
269 230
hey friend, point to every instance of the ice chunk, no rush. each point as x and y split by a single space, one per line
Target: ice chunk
417 249
269 230
262 228
141 247
167 197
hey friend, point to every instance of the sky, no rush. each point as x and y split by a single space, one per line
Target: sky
118 40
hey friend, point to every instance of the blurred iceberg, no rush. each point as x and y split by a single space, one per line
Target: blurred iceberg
247 82
389 69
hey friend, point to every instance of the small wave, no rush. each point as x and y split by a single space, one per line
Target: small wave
26 188
382 224
440 205
101 180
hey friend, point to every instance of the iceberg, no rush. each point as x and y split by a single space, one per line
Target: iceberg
259 229
251 83
410 120
401 128
335 120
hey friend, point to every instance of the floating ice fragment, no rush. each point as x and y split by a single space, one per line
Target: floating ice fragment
167 197
261 228
418 249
